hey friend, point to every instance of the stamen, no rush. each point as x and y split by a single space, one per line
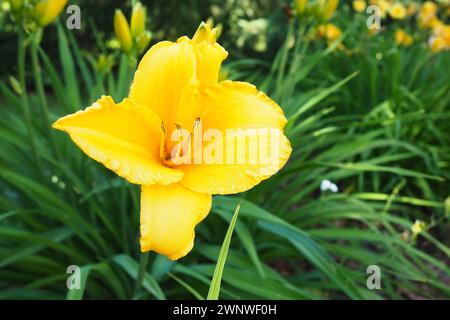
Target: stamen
196 122
162 147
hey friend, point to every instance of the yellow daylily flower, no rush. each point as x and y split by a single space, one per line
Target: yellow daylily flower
427 14
122 30
438 44
383 6
175 92
440 40
402 38
46 11
359 5
397 11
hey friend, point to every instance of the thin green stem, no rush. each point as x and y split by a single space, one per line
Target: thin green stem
143 263
37 74
21 60
284 57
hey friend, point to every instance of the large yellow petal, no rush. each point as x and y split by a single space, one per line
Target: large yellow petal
210 54
124 137
238 105
170 76
169 215
166 80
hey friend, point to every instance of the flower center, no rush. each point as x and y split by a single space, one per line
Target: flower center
176 148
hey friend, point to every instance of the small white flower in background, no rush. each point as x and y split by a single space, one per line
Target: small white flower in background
328 185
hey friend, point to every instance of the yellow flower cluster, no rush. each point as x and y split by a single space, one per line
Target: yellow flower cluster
132 36
322 11
440 32
425 14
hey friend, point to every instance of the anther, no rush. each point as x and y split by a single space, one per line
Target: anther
196 122
162 149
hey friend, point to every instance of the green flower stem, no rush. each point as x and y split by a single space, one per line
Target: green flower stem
301 47
37 74
143 263
284 57
24 99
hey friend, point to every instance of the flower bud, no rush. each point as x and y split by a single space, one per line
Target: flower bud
138 20
15 85
300 6
418 227
122 30
46 11
329 8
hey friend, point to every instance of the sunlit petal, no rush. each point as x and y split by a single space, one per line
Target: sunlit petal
169 215
165 79
238 105
124 137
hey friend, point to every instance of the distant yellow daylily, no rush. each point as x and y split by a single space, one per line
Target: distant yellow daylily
46 11
427 14
176 93
383 6
359 5
402 38
440 39
397 11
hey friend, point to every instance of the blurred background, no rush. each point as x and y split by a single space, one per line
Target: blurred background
367 98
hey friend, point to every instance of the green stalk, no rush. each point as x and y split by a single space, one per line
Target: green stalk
24 99
301 46
143 264
284 58
37 74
